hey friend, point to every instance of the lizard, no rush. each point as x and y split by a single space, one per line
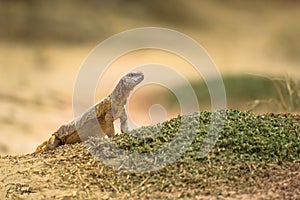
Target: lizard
103 113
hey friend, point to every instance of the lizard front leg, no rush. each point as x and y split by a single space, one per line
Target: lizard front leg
107 124
123 120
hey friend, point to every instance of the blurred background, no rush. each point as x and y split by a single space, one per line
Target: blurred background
255 45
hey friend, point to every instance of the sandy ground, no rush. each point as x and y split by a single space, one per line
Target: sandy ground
70 172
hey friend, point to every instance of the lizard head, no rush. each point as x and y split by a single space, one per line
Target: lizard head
132 79
126 85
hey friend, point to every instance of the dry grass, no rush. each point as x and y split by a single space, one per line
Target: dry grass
288 95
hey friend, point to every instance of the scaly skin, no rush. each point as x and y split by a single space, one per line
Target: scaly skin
103 113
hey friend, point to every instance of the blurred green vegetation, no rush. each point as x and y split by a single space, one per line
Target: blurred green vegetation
249 92
90 20
272 23
83 21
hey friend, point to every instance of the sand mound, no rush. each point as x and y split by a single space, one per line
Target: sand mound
256 156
